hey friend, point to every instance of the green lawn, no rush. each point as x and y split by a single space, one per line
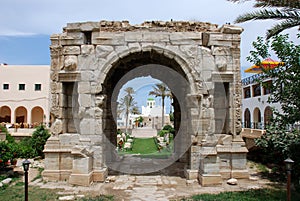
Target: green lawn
146 147
16 193
250 195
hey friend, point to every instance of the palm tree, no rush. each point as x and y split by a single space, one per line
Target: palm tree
127 104
287 11
161 90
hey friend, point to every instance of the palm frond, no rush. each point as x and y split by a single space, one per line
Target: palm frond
279 27
292 4
268 14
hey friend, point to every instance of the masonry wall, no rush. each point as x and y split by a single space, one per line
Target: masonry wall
92 56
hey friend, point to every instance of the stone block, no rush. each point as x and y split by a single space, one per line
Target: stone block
82 165
210 179
100 175
108 38
103 51
156 37
70 63
185 38
240 174
191 174
71 50
85 100
81 179
84 87
134 36
87 50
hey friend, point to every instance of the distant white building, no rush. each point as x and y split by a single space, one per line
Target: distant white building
24 94
257 112
151 114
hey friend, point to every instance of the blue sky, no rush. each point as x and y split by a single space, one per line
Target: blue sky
26 26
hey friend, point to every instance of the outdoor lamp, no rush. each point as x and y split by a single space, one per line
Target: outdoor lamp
26 164
288 162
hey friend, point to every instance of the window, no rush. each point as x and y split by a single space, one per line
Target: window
267 87
256 90
87 37
37 87
5 86
247 92
21 86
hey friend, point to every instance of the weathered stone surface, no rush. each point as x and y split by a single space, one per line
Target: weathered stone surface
89 59
71 50
70 63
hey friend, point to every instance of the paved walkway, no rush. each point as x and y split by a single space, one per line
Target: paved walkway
148 188
144 132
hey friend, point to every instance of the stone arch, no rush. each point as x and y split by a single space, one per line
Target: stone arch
37 115
84 76
247 118
156 65
5 114
174 55
21 115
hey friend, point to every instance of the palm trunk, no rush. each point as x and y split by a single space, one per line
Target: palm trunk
163 112
126 123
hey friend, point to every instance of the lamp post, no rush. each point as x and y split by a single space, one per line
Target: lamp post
288 163
26 164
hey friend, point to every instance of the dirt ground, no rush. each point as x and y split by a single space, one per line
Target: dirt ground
160 186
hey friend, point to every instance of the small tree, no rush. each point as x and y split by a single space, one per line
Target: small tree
161 90
282 140
39 139
127 104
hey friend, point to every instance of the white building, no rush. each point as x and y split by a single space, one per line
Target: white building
257 112
151 115
24 94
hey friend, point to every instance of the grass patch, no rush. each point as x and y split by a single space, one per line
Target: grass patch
16 193
251 195
146 148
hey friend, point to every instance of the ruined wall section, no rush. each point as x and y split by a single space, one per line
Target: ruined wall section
84 54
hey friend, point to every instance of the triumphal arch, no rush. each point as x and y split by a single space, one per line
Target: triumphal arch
200 63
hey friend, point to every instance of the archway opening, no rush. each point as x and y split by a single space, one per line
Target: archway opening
268 115
247 118
166 70
257 118
21 115
37 115
5 114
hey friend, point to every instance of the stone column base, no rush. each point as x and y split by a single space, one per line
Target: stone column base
240 174
100 175
81 179
191 174
56 175
210 179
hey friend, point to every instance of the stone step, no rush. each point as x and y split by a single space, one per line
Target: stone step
144 132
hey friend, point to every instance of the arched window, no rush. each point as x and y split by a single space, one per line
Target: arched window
257 119
247 118
5 114
21 115
37 115
268 115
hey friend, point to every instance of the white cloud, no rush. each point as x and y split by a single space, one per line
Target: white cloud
50 16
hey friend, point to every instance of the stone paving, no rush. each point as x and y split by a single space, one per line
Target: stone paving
146 187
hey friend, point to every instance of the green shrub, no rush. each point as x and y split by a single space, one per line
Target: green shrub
169 128
39 139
